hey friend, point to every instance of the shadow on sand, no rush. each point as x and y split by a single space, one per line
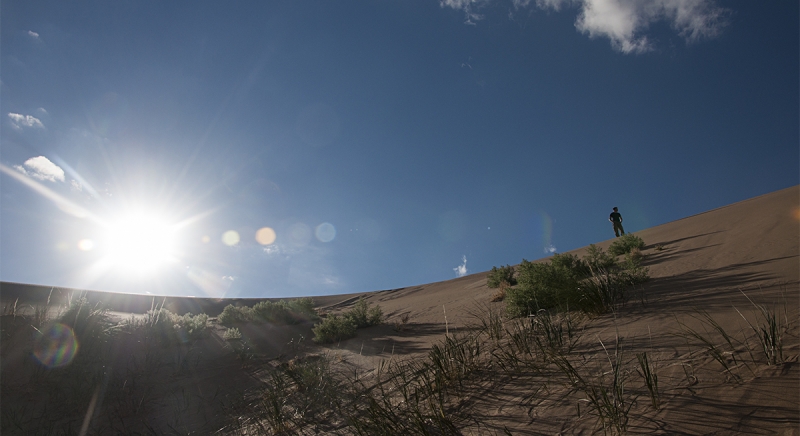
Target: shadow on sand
708 288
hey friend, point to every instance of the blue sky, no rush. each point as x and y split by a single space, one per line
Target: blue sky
374 144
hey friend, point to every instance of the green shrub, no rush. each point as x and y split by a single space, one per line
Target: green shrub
625 243
191 326
273 312
375 315
570 263
602 292
165 326
158 324
86 320
498 276
333 329
362 315
231 334
233 315
302 308
546 285
91 326
635 276
597 259
595 284
633 259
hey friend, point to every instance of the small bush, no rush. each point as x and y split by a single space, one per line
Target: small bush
231 334
597 259
625 243
304 307
633 259
498 276
595 284
333 329
602 292
191 326
233 315
90 323
571 263
546 285
157 324
273 312
362 315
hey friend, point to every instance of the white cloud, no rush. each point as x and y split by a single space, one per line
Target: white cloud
467 7
18 121
618 20
549 4
461 270
33 35
76 185
625 22
550 249
272 249
41 168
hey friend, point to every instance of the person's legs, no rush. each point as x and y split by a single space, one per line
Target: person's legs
618 228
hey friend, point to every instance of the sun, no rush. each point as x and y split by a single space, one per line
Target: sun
140 242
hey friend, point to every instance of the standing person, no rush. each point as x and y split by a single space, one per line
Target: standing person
616 219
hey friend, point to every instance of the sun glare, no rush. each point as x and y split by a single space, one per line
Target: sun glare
140 243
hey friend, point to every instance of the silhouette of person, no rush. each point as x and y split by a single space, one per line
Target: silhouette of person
616 219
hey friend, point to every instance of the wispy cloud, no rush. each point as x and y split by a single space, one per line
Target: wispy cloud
19 121
33 35
461 270
468 7
550 249
625 22
41 168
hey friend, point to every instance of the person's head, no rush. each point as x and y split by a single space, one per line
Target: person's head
615 209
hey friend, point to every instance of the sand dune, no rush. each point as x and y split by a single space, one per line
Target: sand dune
713 267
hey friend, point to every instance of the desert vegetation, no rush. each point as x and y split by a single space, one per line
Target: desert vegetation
595 284
552 356
601 381
273 312
64 358
335 328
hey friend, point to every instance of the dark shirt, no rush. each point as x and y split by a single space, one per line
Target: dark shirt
615 217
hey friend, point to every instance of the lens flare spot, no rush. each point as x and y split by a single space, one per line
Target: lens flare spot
85 245
325 232
265 236
205 239
56 346
230 238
